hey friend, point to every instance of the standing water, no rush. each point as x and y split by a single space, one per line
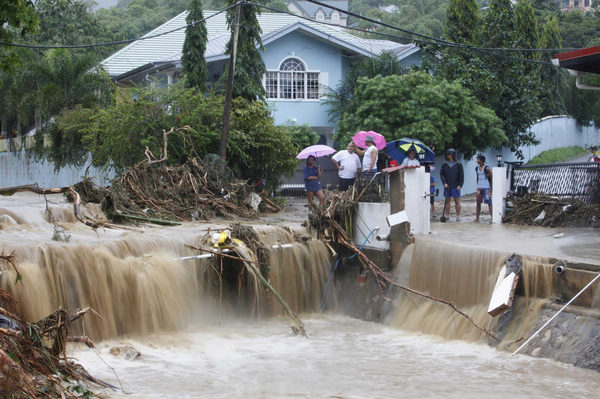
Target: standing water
206 333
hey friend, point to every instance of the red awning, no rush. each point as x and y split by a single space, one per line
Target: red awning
584 60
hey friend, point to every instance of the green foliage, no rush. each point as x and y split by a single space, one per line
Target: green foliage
249 67
66 22
562 154
440 113
257 149
65 137
462 21
301 135
527 35
193 62
65 79
341 100
277 4
17 17
552 79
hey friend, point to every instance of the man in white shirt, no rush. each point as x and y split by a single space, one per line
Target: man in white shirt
348 164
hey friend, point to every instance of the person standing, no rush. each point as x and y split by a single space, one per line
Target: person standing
453 178
370 155
312 184
348 164
484 186
411 159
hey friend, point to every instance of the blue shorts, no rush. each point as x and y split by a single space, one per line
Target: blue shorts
485 196
451 192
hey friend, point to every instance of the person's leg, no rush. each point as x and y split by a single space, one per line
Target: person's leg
446 213
432 201
321 197
457 207
478 208
310 195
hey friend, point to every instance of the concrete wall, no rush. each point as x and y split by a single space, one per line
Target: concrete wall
19 168
552 132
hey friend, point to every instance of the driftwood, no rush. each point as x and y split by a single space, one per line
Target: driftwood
150 220
270 203
33 355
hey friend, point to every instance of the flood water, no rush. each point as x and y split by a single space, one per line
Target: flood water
199 341
342 358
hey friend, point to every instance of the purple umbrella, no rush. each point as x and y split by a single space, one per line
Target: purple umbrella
359 139
318 150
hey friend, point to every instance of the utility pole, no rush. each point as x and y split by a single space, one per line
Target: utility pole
229 85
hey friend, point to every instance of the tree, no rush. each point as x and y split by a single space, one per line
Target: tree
462 21
66 22
341 99
527 35
433 110
249 67
551 77
117 135
66 79
17 17
193 62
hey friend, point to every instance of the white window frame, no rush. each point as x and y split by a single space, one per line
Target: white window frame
320 15
304 73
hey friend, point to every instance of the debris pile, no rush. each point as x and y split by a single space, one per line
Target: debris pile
195 190
33 362
551 211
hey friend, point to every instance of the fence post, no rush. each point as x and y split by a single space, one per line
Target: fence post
499 190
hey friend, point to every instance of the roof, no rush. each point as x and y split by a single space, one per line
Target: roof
167 47
583 60
311 8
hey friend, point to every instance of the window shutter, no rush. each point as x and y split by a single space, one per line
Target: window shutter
264 81
323 85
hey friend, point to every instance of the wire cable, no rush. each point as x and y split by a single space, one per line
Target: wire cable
116 42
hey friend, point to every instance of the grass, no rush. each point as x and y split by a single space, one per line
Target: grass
562 154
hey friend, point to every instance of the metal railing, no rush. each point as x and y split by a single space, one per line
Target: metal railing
576 179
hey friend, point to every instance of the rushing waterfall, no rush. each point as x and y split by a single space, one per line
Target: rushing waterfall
136 286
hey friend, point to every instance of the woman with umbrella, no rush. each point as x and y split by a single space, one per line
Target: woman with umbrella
312 173
312 184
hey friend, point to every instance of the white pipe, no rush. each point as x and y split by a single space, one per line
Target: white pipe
556 314
228 250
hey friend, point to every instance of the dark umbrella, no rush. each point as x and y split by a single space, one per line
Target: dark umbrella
398 149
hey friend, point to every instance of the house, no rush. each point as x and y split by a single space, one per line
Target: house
303 60
320 13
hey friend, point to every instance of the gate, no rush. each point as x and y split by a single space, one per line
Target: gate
578 179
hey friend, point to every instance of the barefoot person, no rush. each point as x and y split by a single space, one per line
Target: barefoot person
312 184
453 177
347 163
484 185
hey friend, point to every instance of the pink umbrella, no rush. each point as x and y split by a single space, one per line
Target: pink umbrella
359 139
317 150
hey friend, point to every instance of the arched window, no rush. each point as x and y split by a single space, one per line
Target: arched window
292 81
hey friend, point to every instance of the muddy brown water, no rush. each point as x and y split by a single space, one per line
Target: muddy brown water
198 340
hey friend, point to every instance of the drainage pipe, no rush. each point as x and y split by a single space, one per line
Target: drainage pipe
556 314
276 246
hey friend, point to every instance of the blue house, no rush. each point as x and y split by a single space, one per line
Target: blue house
303 60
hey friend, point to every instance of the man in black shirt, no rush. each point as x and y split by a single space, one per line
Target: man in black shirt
453 178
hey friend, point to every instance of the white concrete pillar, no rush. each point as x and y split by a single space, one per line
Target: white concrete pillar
170 78
499 189
416 200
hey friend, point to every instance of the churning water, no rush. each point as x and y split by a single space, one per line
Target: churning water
204 333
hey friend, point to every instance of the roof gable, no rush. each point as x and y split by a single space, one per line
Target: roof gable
168 46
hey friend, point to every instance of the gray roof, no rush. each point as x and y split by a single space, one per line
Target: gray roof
167 48
312 8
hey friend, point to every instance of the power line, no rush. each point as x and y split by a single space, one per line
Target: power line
113 43
484 50
431 38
